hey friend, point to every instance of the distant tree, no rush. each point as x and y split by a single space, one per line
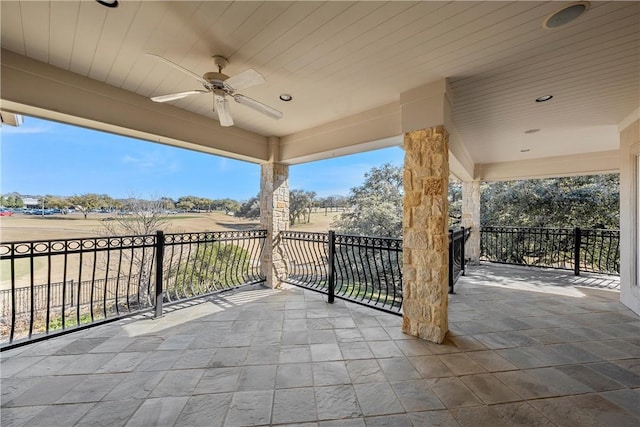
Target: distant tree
331 203
13 200
145 217
375 207
54 202
455 203
204 204
229 206
579 201
186 203
300 204
167 203
250 209
86 203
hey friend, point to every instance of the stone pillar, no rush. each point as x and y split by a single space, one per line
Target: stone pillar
274 217
471 219
425 232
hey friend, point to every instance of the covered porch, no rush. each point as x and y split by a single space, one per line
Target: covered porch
525 347
496 99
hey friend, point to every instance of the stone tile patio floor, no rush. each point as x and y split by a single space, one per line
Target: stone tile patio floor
526 347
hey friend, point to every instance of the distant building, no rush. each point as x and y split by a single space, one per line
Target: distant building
30 202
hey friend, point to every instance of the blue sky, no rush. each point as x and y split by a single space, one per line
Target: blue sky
42 157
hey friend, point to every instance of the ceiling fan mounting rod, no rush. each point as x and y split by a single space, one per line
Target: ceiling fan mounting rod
220 61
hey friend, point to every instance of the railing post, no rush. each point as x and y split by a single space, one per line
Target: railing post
159 273
463 243
577 241
451 262
332 276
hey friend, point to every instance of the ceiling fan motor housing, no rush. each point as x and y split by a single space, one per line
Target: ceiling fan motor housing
216 80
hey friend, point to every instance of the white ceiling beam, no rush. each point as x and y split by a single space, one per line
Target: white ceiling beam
370 130
551 167
34 88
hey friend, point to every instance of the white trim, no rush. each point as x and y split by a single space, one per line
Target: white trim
636 244
630 119
549 167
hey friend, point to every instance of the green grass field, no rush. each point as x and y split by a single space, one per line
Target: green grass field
22 267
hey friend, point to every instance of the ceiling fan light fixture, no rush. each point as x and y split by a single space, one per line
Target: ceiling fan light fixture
544 98
285 97
565 15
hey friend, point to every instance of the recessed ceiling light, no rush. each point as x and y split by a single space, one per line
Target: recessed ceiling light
531 131
285 97
565 14
544 98
108 3
525 150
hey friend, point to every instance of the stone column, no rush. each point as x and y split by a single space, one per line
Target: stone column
471 219
274 217
425 233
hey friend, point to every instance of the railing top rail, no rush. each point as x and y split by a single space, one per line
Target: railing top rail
25 242
518 227
211 236
369 242
569 229
305 235
77 245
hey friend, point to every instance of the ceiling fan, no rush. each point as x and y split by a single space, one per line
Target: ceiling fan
223 87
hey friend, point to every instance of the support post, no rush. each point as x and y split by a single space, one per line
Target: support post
425 231
332 266
577 242
274 217
159 273
463 269
471 219
451 262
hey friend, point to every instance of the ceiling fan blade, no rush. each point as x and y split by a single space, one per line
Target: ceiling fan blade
178 67
177 95
245 79
258 106
221 106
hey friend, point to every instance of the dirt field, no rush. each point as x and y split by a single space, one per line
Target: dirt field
29 228
33 227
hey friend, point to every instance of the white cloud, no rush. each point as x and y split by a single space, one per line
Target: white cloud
24 129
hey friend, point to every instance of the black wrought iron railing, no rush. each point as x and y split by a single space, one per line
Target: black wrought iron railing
457 262
197 264
367 270
576 249
53 286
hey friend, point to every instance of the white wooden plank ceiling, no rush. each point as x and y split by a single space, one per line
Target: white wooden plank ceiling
341 58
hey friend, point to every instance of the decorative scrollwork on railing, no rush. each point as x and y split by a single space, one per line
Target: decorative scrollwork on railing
73 283
593 250
71 246
212 236
363 269
369 242
304 235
